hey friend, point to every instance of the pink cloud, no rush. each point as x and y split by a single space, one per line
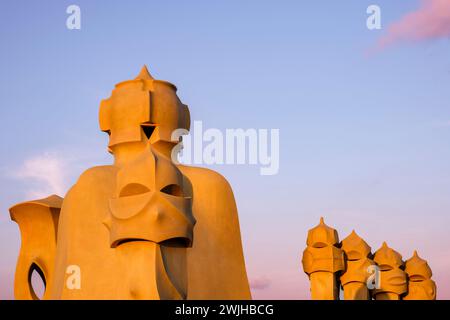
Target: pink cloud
259 283
431 21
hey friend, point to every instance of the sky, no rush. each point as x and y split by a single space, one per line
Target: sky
363 114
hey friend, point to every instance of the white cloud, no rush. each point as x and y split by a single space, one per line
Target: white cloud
53 172
44 174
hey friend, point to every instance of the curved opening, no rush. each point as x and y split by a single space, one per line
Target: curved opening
148 129
385 267
173 190
179 242
133 189
36 282
320 245
417 278
119 242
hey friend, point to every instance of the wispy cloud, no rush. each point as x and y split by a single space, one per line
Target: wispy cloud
260 283
53 172
429 22
45 174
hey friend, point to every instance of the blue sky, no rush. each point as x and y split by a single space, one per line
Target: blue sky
364 138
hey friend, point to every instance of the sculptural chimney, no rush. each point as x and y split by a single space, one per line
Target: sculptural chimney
322 261
143 227
420 285
393 280
354 279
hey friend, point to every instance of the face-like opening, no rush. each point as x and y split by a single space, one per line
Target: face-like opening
173 190
385 267
148 129
320 245
179 242
127 240
36 282
417 278
353 255
133 189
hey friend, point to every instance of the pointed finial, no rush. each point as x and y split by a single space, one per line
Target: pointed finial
322 235
355 247
418 268
144 74
388 256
